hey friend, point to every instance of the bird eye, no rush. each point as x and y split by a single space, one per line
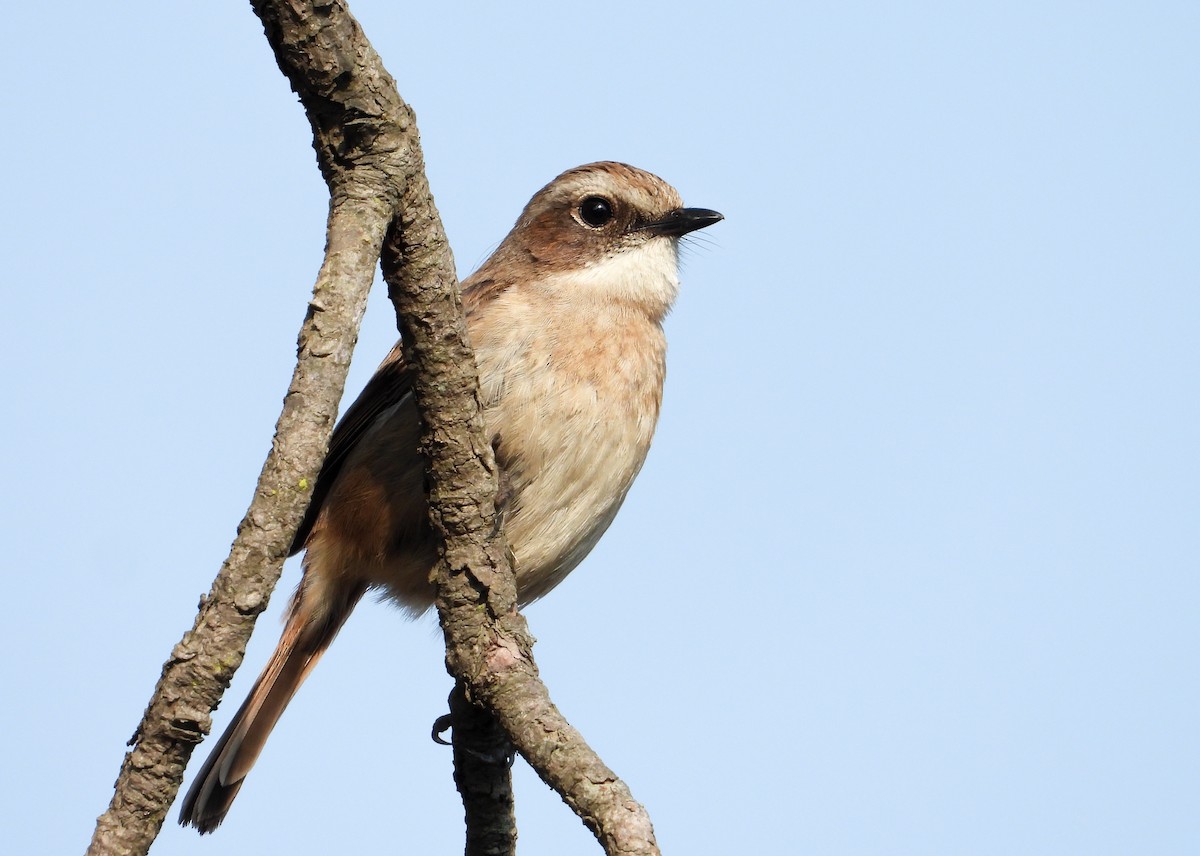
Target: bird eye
595 211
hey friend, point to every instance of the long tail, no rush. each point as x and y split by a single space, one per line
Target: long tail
301 646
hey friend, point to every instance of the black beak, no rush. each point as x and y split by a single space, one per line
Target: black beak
683 220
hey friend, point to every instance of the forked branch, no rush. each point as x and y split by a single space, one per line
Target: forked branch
368 151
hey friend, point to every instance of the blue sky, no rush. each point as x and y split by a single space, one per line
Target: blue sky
913 565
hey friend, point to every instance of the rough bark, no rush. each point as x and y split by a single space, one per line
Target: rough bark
488 644
202 664
367 148
483 757
365 138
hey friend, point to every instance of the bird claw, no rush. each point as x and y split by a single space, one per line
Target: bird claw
446 721
440 726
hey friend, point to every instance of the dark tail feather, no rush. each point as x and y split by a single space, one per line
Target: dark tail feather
301 646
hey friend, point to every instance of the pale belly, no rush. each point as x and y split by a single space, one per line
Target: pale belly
565 499
571 440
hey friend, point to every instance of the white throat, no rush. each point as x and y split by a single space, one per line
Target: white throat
645 276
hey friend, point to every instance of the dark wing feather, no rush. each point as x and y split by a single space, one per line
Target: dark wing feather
390 383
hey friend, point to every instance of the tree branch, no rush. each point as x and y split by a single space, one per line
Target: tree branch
488 644
362 134
483 757
368 151
203 663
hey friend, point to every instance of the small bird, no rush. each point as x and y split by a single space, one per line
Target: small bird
566 322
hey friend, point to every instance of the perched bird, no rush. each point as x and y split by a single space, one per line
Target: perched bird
566 322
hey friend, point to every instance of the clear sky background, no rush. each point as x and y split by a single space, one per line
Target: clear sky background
913 565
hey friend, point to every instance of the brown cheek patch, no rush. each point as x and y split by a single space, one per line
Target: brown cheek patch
555 245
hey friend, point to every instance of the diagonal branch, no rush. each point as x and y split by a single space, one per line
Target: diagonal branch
202 664
365 138
488 644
